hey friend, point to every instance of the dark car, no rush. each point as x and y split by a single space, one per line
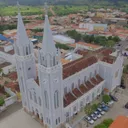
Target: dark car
113 98
126 105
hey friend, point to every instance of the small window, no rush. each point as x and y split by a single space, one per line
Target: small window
72 86
39 101
35 100
90 75
79 82
59 120
85 79
56 122
65 90
67 114
30 95
29 69
74 109
81 104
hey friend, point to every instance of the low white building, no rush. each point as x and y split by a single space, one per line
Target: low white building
63 39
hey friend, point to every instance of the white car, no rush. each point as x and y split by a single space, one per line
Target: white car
101 111
89 119
94 117
110 103
97 114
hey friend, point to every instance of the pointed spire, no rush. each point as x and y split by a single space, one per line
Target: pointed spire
48 45
22 38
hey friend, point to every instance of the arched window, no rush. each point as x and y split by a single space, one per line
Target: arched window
46 99
30 95
54 61
35 100
79 82
85 79
90 75
56 99
88 99
26 50
95 72
72 86
39 101
22 83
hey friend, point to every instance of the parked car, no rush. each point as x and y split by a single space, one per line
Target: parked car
110 103
126 105
101 111
89 119
93 116
104 108
97 114
113 98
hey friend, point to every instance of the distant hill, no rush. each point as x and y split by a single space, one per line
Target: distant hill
39 2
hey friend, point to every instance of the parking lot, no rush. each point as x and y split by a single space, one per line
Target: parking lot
116 110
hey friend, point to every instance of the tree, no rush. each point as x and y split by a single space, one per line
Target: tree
88 111
2 101
94 107
108 122
101 126
116 39
125 70
106 98
110 43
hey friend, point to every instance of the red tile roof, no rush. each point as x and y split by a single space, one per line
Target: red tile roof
99 79
83 89
82 52
108 60
12 76
120 122
68 98
14 86
94 81
77 65
77 92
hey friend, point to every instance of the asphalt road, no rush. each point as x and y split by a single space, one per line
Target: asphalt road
10 110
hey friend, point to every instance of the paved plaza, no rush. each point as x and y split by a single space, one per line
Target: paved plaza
20 119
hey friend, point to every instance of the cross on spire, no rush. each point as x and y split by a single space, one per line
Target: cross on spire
46 8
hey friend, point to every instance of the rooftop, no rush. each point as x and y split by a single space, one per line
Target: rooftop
90 45
80 90
120 122
5 64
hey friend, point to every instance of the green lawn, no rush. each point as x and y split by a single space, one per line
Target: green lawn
65 10
25 10
31 10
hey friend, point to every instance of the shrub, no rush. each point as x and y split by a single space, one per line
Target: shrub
106 98
100 126
108 122
2 101
94 107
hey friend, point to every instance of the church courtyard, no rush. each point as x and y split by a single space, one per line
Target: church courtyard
20 119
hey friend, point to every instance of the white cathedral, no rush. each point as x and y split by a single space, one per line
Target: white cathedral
61 90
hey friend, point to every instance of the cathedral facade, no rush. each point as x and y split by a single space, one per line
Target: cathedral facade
59 91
